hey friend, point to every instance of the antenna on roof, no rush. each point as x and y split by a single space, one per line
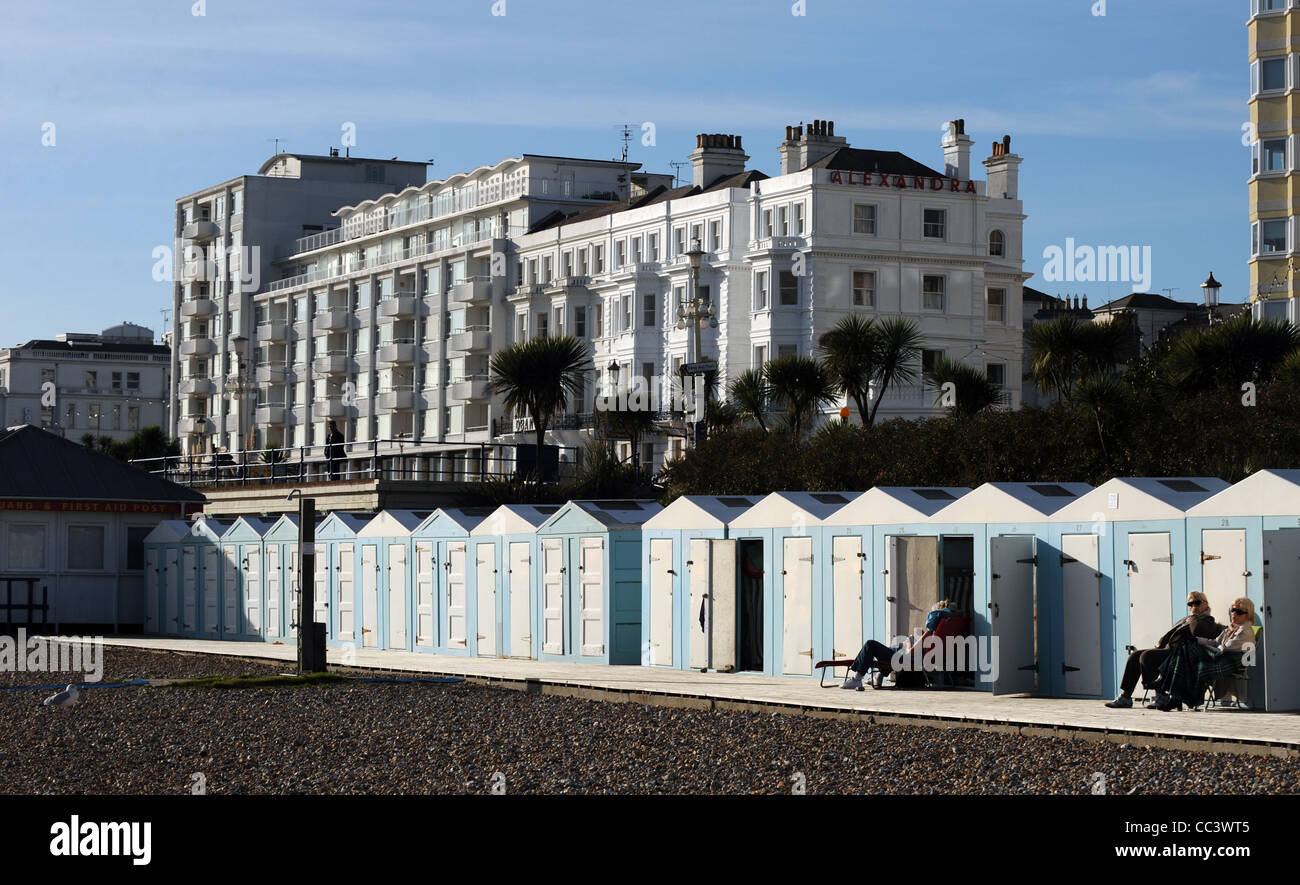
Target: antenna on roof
277 145
677 166
625 134
1169 293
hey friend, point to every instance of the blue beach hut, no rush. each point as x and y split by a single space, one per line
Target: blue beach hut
507 541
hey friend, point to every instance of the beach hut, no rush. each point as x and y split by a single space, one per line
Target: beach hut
984 547
242 547
385 569
1118 576
779 544
507 539
448 575
201 588
162 575
681 597
589 581
1245 541
853 607
337 560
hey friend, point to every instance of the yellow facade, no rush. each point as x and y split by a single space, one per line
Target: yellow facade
1275 115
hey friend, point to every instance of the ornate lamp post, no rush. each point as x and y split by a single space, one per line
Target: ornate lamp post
697 313
239 387
1211 288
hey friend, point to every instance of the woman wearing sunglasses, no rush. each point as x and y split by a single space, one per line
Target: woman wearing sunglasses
1193 666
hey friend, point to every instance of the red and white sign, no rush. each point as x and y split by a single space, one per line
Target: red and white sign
902 182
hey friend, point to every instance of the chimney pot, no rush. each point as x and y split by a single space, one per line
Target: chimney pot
737 144
830 128
1006 144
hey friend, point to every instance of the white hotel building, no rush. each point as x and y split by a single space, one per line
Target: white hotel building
386 322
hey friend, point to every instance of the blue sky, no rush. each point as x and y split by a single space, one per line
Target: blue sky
1130 123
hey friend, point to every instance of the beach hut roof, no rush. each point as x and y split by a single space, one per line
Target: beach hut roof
609 515
256 525
781 509
893 505
996 502
393 523
701 512
459 520
1263 493
1132 498
351 522
515 519
167 531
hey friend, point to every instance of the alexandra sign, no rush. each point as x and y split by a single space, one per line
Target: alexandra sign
914 182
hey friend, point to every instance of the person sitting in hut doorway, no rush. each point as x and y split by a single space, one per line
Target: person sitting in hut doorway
1145 662
878 656
1193 666
333 448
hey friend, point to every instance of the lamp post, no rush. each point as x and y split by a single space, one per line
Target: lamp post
697 313
239 389
1211 288
613 388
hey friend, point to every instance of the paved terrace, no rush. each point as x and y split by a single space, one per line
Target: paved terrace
1226 730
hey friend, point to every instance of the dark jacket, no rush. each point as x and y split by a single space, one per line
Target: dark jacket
1189 628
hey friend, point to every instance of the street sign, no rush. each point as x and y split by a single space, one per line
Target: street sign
699 368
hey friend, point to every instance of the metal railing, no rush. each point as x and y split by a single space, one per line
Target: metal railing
30 607
378 459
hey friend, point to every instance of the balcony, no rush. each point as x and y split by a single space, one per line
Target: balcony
401 351
468 387
274 373
329 407
470 339
270 413
334 319
395 398
191 424
333 363
198 347
200 231
475 290
198 307
197 385
275 330
397 307
572 281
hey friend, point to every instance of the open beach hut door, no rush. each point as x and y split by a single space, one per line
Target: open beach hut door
712 614
912 572
1011 612
1279 616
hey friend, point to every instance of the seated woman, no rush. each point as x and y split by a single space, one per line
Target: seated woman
880 655
1192 666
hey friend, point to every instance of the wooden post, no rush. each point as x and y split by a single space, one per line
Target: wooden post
311 636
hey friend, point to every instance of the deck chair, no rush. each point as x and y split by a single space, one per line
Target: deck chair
1235 685
953 625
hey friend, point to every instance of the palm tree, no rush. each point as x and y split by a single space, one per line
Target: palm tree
1232 353
538 377
802 385
1056 354
748 393
897 359
974 391
849 351
1103 397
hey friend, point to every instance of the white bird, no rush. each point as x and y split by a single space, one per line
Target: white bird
65 698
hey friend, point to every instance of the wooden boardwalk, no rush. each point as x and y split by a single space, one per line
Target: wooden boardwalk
1216 730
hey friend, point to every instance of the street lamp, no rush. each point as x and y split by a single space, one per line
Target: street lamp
1211 288
696 313
239 388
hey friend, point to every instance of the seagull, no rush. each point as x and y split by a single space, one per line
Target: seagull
65 698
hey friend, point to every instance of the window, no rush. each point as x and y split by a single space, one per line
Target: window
996 373
648 310
237 203
1273 155
760 356
566 264
1272 74
997 306
789 288
934 224
70 419
598 321
91 380
715 236
695 234
997 244
580 322
86 547
760 290
929 359
546 269
625 315
648 375
798 219
1272 236
26 547
543 325
117 380
132 417
767 222
864 288
783 221
636 250
521 327
679 241
558 325
532 271
94 416
679 298
864 219
598 259
582 262
620 253
786 350
932 292
652 252
702 293
135 535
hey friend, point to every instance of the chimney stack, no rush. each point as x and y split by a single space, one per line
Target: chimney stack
1003 171
956 151
716 156
806 145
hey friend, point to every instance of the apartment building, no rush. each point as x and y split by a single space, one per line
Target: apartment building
386 321
227 240
109 384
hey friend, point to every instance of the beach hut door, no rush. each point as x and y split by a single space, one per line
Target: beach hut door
521 622
189 578
424 601
911 583
274 587
369 596
321 588
152 586
591 594
1223 569
848 567
1011 612
713 612
347 592
1279 616
486 595
253 590
661 598
230 592
171 574
455 568
397 596
553 596
211 586
1081 580
1150 585
796 622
